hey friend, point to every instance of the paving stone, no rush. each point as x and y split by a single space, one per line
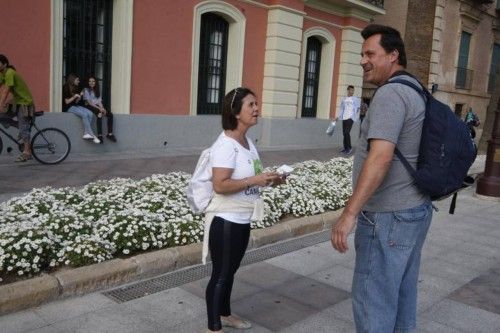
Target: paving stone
167 308
343 310
311 292
264 275
483 292
72 307
307 261
463 317
241 289
21 322
110 321
478 263
337 276
429 326
324 321
443 269
272 311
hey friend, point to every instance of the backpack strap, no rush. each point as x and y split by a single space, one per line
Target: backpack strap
425 94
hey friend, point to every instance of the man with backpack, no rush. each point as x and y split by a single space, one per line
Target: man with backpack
392 214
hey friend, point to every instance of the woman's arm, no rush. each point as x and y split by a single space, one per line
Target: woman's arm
223 184
88 98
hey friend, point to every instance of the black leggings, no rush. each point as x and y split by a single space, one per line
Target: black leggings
109 115
346 129
227 243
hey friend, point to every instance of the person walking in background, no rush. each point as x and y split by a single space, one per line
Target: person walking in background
392 214
349 113
21 105
236 178
72 97
472 120
93 101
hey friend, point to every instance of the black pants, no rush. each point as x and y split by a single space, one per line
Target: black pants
227 244
346 130
109 115
360 122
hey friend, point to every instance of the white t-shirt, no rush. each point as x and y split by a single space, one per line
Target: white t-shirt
348 108
228 153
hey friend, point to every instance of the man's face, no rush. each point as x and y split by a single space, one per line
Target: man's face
376 62
350 92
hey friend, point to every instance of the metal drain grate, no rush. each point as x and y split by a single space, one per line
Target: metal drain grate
193 273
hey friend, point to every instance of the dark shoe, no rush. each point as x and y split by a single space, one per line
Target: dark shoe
343 150
100 139
348 151
111 137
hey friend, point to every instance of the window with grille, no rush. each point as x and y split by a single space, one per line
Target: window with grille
212 63
495 61
464 75
87 42
311 77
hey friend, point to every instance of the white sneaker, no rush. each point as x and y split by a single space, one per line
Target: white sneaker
96 140
87 136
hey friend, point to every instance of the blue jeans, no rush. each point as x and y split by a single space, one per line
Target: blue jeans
388 248
86 115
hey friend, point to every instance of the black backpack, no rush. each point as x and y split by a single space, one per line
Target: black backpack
447 149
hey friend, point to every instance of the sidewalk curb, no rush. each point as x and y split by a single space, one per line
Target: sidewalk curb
78 281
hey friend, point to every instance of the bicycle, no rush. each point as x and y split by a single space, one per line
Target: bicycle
49 145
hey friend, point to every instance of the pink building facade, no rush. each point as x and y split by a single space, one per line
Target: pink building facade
155 48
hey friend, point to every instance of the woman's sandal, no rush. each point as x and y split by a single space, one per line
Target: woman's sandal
23 158
241 323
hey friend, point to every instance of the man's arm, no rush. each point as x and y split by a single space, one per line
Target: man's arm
372 175
5 96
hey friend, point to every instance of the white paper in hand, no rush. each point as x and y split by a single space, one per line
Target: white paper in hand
284 170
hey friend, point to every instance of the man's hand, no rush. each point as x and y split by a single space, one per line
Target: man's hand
340 231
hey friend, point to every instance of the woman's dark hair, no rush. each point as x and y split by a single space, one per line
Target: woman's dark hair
70 83
231 106
5 60
390 40
97 91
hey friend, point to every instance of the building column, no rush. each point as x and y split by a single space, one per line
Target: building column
282 63
350 72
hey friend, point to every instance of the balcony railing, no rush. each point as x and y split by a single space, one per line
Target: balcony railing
376 3
464 78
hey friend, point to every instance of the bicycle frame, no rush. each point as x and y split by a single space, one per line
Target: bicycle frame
13 139
9 136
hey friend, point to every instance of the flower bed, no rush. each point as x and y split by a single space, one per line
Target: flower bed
52 227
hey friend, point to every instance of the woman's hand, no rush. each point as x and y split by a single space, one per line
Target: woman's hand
264 179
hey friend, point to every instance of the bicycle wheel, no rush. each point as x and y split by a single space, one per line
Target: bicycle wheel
50 146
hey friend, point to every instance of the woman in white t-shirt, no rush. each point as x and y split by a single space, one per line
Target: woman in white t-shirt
236 175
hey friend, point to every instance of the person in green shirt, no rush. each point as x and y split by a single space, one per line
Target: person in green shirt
21 105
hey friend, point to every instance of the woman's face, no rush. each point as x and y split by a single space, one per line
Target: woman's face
77 81
92 83
249 111
2 66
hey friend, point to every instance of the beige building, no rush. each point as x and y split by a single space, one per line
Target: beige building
453 46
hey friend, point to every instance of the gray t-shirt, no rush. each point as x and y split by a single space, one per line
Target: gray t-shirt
396 114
